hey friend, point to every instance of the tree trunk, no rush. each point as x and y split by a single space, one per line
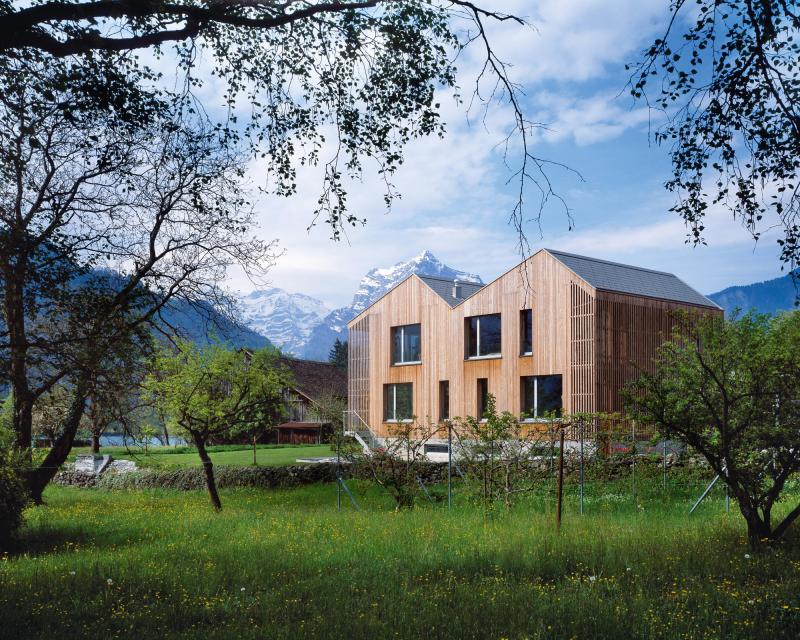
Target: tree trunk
255 462
208 467
14 311
757 530
39 477
95 442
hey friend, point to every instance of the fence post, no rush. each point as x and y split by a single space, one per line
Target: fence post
560 487
339 465
449 465
582 427
633 461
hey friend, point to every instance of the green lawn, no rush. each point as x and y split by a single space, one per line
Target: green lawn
266 455
285 564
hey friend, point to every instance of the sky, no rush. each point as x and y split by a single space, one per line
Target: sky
456 198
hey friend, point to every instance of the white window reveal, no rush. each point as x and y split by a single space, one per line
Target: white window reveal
397 402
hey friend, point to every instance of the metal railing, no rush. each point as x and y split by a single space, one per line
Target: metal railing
355 426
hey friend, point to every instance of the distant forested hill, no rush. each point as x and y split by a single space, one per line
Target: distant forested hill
770 296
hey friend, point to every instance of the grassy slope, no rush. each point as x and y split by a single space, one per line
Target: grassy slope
285 564
272 456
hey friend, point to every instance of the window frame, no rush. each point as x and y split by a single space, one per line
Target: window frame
393 386
467 332
536 417
482 397
444 394
525 322
401 330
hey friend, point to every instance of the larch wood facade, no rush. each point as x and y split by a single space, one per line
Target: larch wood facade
594 339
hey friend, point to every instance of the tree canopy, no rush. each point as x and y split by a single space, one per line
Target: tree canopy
727 75
124 185
731 390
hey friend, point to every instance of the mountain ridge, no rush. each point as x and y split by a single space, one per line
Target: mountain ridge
304 327
767 296
301 335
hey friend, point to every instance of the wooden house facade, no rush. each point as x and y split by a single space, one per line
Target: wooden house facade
557 333
314 384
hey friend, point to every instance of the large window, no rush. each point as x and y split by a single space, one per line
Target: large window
483 397
541 396
406 345
483 336
526 332
397 402
444 400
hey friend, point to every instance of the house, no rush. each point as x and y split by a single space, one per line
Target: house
557 333
315 384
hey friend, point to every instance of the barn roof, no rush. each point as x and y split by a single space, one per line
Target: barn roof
314 379
613 276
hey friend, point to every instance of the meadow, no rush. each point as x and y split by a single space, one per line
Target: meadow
233 455
286 564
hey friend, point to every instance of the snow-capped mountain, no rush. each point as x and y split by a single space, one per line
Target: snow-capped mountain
287 319
373 285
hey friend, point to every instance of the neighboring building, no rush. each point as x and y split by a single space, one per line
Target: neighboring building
557 333
314 382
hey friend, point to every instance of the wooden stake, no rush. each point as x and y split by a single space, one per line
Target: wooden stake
560 485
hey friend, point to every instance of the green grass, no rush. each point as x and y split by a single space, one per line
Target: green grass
285 564
267 455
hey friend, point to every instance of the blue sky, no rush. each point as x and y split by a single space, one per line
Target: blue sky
455 198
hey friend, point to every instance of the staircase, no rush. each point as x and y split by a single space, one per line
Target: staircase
355 427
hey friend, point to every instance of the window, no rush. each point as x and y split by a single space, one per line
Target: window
406 345
444 400
483 396
397 403
526 332
483 336
436 448
541 396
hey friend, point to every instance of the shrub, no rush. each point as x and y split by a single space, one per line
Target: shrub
190 479
13 499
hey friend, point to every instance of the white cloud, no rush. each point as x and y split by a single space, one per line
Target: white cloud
576 40
587 120
455 200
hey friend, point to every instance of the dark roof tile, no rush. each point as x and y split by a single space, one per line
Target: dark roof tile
613 276
444 287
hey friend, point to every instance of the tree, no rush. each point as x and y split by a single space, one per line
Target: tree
502 454
328 406
731 390
338 354
49 412
114 395
272 408
107 215
103 168
727 74
214 391
396 465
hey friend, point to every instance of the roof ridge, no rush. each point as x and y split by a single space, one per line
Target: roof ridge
611 262
442 279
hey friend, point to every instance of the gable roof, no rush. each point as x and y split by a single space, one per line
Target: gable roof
613 276
314 379
444 287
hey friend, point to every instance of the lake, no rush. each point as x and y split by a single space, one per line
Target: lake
122 440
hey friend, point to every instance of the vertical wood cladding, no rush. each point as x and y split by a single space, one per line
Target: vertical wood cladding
629 330
596 340
582 357
358 368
